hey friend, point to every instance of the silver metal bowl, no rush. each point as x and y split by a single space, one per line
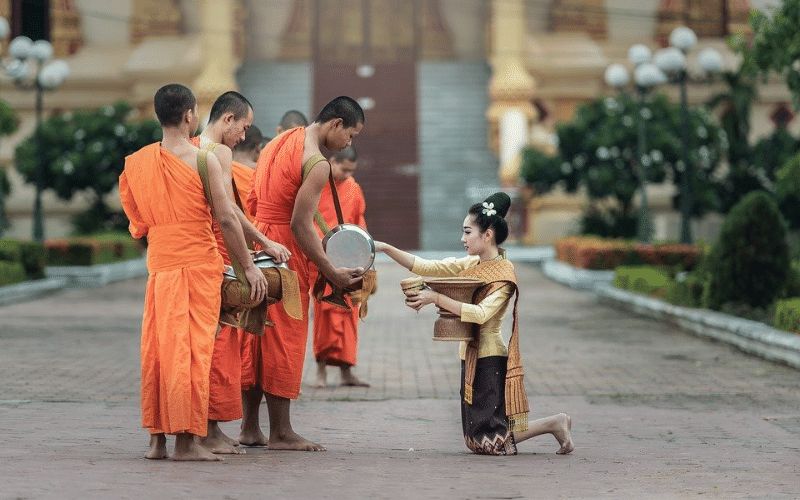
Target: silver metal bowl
349 245
260 259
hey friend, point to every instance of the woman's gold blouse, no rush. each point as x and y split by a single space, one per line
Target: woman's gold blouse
489 313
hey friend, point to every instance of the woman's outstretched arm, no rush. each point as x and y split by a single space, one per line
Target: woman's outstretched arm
405 259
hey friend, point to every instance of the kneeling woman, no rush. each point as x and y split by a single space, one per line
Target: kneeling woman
494 407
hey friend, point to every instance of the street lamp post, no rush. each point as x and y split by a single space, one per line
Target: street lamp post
29 66
672 60
645 76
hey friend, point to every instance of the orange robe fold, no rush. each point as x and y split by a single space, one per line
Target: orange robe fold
164 200
336 328
274 361
224 399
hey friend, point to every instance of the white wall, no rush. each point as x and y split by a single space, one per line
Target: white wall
104 22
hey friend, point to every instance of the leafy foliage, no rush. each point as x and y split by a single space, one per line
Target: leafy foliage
541 171
750 262
775 45
8 125
598 151
84 152
787 190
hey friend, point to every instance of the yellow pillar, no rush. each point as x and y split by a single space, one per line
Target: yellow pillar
219 52
511 88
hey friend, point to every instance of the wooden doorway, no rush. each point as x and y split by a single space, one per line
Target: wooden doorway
367 49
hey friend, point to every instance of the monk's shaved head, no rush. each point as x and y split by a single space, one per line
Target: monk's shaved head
171 102
230 102
292 119
346 154
252 140
342 107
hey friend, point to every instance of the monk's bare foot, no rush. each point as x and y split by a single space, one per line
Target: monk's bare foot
293 442
253 438
186 449
158 447
216 443
215 432
353 381
229 440
348 379
564 434
322 375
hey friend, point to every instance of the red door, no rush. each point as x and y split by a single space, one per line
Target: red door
387 145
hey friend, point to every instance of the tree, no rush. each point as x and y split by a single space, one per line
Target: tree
775 45
598 152
8 125
84 153
735 102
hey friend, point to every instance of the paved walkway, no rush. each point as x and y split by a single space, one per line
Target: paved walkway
657 413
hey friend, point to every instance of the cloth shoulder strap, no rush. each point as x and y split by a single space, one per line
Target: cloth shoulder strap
210 147
202 169
307 166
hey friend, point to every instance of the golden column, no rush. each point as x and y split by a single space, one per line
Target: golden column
511 88
218 35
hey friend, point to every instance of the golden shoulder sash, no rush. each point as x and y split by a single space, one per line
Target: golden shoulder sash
495 274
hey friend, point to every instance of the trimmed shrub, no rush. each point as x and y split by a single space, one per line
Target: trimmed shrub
11 273
750 261
642 279
596 253
787 315
87 251
30 254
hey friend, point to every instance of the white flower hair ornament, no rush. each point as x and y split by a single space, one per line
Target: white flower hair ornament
488 209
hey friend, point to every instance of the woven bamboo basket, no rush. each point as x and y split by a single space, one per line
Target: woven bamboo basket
233 296
411 286
449 326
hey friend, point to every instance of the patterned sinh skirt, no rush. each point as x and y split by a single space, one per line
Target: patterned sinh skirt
484 421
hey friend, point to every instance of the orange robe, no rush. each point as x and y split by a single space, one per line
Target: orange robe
275 360
336 328
164 200
225 396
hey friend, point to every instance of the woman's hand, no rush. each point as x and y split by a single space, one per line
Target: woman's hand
421 299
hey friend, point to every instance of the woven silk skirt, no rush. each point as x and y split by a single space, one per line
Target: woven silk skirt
484 421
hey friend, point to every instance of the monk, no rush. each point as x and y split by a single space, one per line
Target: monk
285 203
291 119
230 118
336 328
163 197
246 152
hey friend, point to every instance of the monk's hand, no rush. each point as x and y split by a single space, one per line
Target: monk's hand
275 250
258 283
420 299
342 277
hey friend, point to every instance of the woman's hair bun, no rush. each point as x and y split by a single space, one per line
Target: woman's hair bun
501 202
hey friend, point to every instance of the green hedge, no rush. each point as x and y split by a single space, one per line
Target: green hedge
88 251
654 281
787 315
29 254
11 273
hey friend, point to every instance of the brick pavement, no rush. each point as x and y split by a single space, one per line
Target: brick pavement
658 413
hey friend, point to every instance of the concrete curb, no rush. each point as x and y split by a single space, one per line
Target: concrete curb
30 290
749 336
98 275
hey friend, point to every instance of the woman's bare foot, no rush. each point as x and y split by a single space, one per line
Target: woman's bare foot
217 442
158 447
564 434
293 442
186 449
322 375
